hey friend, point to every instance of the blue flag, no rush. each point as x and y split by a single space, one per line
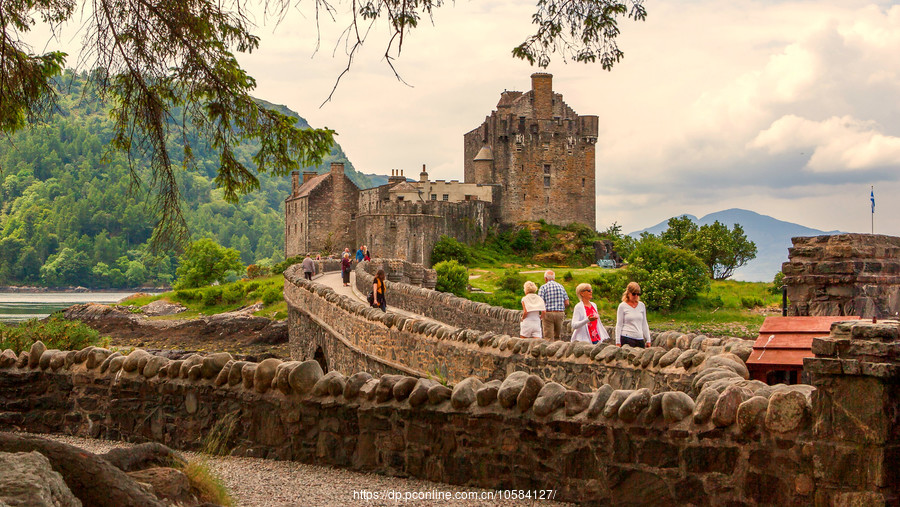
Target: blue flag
872 197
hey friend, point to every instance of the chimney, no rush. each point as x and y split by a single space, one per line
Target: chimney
542 93
396 176
308 175
423 176
337 168
295 182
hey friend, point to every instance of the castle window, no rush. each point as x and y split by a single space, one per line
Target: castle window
582 182
433 197
546 146
446 197
393 226
548 199
534 128
521 124
546 168
546 181
399 198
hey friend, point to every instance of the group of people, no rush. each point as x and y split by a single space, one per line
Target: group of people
362 254
544 309
376 297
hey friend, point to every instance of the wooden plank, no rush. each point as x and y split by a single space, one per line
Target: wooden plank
786 341
777 357
777 324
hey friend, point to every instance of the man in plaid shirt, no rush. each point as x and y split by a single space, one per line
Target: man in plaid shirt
556 300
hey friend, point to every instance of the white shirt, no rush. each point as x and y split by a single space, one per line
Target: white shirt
632 322
580 322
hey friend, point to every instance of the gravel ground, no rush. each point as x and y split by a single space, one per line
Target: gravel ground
261 482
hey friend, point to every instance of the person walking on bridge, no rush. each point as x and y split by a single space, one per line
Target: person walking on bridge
532 311
345 269
556 300
631 319
378 291
586 325
309 267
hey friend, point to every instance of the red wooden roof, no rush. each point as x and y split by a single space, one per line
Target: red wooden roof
786 341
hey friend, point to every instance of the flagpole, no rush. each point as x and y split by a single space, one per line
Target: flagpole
872 194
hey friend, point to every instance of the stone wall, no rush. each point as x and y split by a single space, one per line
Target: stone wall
844 274
739 442
347 334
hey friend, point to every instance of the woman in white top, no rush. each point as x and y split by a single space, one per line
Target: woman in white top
586 325
631 319
533 309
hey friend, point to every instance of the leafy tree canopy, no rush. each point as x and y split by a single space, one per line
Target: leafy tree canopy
205 262
170 63
668 276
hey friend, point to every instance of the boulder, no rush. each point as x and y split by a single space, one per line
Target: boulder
304 377
729 361
607 354
529 393
8 359
698 359
367 390
151 369
58 360
669 357
676 406
787 411
331 384
354 383
576 402
706 403
248 372
404 387
488 393
464 393
23 359
95 357
265 374
166 483
105 365
34 355
751 414
598 401
550 398
235 376
190 362
611 409
213 364
81 355
684 360
195 373
725 411
28 478
510 388
439 394
634 404
419 395
116 364
222 377
385 390
46 357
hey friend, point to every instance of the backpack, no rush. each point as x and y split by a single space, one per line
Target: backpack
371 298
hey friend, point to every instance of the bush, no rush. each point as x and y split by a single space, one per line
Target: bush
290 261
751 302
55 332
512 281
522 242
258 271
250 287
448 248
272 295
187 295
568 276
232 293
668 276
610 286
451 277
210 296
777 283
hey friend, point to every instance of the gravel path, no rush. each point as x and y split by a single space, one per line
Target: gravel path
261 482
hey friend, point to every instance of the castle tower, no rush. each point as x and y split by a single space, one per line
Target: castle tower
543 156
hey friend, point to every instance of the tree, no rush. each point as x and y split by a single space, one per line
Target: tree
722 250
448 248
168 64
680 233
204 262
451 277
668 276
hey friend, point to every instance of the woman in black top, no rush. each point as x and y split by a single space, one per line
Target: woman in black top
378 290
345 269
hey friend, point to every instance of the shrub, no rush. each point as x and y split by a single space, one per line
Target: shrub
55 332
668 276
777 283
512 281
448 248
283 265
258 271
232 293
751 302
272 295
250 287
568 276
610 286
187 295
451 277
210 296
522 242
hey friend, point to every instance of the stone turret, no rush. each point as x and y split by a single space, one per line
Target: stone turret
484 165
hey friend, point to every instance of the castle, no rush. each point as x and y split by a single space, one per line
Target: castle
531 159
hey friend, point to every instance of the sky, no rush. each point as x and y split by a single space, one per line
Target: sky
788 109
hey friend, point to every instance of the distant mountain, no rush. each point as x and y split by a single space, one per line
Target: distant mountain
772 238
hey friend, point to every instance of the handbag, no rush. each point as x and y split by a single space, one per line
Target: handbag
371 298
593 332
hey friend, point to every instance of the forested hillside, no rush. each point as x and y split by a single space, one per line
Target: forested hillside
70 215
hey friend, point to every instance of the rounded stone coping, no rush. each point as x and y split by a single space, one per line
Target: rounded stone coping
725 400
665 356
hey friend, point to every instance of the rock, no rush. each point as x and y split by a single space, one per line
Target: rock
304 377
698 359
23 359
166 483
95 357
669 357
213 364
116 364
658 353
676 406
151 369
510 388
265 374
710 375
195 372
222 377
8 359
104 366
354 383
787 411
58 360
751 414
697 342
29 479
611 409
46 357
464 393
607 354
81 355
683 342
632 407
706 403
385 390
529 393
367 390
331 384
235 376
34 356
133 359
488 393
729 361
439 394
725 411
190 362
404 387
550 398
598 401
248 373
575 402
161 307
419 395
70 359
684 360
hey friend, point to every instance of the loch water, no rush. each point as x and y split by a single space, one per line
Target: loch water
19 306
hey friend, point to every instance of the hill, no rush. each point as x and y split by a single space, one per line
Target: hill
69 214
772 238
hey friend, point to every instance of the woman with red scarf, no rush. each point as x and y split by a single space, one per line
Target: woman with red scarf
586 325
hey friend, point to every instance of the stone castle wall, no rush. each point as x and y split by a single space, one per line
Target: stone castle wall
844 274
347 334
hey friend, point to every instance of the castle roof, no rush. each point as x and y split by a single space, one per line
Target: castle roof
484 154
311 184
404 186
508 98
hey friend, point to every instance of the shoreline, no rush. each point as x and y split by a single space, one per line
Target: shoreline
9 289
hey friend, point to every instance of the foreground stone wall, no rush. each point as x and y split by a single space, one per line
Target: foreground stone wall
844 274
346 334
741 442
